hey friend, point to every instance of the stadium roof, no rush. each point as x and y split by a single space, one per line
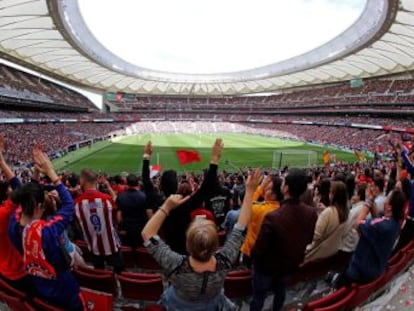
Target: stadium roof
51 37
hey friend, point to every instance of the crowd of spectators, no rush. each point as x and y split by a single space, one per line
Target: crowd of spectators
59 136
363 211
53 137
20 85
391 93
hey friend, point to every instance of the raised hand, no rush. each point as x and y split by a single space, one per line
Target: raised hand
217 150
43 163
174 200
2 143
1 148
148 148
254 179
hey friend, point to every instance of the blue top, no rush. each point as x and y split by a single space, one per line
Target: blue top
410 169
375 246
64 290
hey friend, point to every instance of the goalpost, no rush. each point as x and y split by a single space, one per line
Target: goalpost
294 157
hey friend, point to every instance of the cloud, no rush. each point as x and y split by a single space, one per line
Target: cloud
213 36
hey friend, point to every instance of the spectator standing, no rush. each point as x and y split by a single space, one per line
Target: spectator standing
175 226
11 261
94 211
45 257
270 191
133 212
197 280
280 246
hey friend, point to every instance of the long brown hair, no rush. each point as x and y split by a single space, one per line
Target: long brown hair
339 200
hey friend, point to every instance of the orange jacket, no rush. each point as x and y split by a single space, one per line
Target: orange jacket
259 211
11 262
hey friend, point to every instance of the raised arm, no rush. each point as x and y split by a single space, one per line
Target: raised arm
14 182
408 165
64 215
207 187
251 184
148 186
154 224
103 180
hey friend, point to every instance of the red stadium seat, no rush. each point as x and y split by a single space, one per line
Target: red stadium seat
341 305
141 276
243 272
44 306
128 256
395 264
238 287
101 282
394 258
15 303
95 271
146 261
364 291
146 308
327 300
96 300
10 290
407 247
146 290
410 254
86 253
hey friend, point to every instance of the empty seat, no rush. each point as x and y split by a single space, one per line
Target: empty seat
145 289
100 282
145 260
238 287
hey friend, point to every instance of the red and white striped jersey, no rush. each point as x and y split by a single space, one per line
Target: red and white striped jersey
94 212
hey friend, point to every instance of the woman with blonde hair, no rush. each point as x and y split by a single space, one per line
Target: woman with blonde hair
197 280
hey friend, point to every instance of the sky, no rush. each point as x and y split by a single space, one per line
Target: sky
214 36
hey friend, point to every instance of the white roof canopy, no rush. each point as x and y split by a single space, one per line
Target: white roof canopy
51 36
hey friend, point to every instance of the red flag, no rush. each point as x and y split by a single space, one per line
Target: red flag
154 170
188 156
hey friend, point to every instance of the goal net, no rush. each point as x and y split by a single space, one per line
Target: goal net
294 158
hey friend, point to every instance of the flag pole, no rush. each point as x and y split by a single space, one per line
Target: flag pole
158 158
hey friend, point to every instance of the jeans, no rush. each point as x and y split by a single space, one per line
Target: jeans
261 286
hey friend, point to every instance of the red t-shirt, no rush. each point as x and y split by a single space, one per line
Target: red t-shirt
11 261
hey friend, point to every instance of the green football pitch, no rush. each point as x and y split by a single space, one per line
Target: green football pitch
124 154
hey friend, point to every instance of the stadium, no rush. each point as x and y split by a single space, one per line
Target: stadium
341 112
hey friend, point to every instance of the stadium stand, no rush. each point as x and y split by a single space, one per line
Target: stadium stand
20 89
38 112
